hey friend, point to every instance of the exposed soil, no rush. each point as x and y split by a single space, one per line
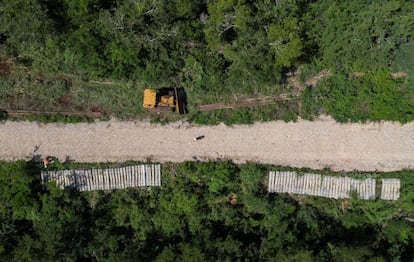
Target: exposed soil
319 144
5 67
248 102
292 82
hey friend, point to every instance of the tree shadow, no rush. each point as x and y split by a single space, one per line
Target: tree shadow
285 74
33 169
4 115
68 160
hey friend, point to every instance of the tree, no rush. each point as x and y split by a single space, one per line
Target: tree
61 228
18 205
24 25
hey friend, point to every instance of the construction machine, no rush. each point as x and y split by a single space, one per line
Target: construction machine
164 99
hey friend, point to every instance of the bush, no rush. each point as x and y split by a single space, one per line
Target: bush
373 96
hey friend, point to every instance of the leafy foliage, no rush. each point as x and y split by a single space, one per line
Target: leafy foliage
203 211
372 96
217 50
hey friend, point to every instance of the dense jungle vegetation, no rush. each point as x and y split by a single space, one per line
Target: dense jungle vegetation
202 212
99 55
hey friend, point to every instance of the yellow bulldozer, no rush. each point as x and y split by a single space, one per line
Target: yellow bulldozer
164 99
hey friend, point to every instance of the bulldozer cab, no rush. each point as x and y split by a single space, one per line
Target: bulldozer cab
160 99
165 99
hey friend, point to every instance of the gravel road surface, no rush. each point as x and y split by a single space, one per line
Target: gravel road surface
383 146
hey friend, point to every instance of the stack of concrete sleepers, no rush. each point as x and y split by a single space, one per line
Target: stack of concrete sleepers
318 185
390 189
106 178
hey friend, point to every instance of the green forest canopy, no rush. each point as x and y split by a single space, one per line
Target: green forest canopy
202 212
214 49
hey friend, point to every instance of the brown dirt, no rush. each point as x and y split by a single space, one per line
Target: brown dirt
293 82
249 102
323 143
5 67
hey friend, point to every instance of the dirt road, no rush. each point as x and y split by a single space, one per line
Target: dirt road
318 144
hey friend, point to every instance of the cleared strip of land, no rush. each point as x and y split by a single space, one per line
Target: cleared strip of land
319 144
